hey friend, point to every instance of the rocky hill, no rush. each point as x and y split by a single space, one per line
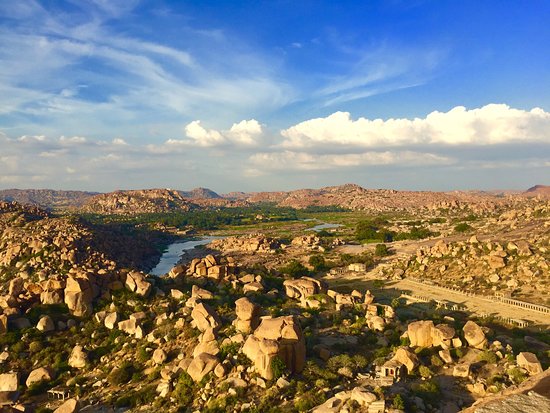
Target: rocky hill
357 198
200 193
138 202
46 198
539 190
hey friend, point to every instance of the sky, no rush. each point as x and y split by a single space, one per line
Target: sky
102 95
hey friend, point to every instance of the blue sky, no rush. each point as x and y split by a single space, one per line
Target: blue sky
267 95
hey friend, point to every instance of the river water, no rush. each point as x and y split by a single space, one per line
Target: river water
174 252
320 227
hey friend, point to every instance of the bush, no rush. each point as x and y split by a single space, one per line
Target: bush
318 262
462 227
309 400
122 374
381 250
488 356
278 367
398 402
184 390
425 372
295 269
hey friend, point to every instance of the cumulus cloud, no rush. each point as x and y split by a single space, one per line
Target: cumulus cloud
489 125
244 133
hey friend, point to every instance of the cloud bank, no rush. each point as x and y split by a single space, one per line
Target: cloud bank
492 124
334 149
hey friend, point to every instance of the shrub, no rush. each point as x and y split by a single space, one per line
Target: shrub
184 390
308 401
122 374
488 356
516 375
278 367
425 372
462 227
295 269
381 250
318 262
436 361
398 402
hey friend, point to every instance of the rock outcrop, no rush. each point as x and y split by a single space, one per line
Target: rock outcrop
276 337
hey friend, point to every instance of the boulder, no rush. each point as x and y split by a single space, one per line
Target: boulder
202 365
45 324
79 295
9 382
136 282
159 356
51 297
496 262
421 333
279 337
69 406
111 320
474 335
362 396
78 358
38 375
247 315
304 287
207 344
406 357
529 362
204 317
462 370
201 293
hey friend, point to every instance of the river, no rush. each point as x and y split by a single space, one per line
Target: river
323 226
174 252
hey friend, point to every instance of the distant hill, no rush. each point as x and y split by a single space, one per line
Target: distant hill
47 198
543 190
200 193
355 197
135 202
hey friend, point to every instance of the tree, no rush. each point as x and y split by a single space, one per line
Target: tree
318 262
295 269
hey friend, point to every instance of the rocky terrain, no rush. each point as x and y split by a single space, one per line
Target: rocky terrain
258 323
349 196
143 201
47 198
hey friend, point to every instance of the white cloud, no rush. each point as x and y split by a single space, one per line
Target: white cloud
492 124
244 133
288 160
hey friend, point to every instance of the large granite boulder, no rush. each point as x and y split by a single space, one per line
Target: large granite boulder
38 375
529 362
79 295
78 358
204 317
426 334
247 315
474 335
136 282
407 358
69 406
201 365
279 337
304 287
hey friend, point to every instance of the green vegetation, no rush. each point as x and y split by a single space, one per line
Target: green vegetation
462 227
318 262
295 269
